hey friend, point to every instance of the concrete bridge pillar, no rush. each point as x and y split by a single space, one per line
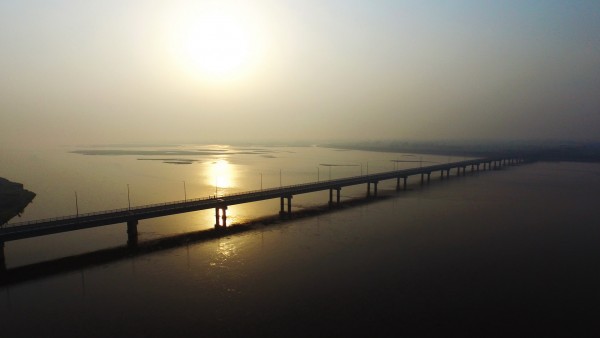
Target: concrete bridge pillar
338 190
442 174
428 177
404 182
330 197
282 205
374 189
132 232
422 178
221 217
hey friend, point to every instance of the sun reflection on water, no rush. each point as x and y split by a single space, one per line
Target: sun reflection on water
221 175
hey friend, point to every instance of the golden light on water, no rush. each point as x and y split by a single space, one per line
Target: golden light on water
221 176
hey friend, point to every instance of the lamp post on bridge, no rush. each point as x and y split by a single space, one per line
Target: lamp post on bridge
318 174
184 193
128 200
76 205
261 186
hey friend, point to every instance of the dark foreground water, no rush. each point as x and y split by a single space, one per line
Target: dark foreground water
513 252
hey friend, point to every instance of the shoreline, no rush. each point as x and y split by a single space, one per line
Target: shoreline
14 198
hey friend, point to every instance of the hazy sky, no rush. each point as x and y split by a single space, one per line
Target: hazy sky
90 72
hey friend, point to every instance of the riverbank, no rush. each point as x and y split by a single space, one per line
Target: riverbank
535 151
13 199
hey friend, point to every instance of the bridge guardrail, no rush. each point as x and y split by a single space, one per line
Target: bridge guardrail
183 203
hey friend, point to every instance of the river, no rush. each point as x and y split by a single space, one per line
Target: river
506 252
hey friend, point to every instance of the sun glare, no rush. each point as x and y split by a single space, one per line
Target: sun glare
216 43
221 175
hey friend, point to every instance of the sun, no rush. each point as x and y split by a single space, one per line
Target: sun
216 43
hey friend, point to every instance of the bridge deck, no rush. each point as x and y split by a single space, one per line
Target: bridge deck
42 227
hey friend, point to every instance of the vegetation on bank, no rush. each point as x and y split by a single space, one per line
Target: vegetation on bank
13 199
537 151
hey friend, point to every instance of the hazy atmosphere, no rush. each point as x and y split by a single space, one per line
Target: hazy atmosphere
81 72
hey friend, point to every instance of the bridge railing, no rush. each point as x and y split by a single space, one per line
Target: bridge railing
212 198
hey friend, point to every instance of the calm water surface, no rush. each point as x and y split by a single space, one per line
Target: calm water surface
101 183
504 253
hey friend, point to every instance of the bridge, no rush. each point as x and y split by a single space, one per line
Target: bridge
131 216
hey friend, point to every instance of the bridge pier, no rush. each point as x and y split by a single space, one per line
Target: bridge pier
374 189
289 206
422 178
428 177
337 199
404 184
132 232
330 197
220 217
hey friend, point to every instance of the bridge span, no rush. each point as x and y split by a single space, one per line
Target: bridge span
131 216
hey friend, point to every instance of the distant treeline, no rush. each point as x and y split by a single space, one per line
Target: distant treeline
540 151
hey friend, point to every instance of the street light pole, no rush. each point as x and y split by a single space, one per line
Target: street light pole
280 185
318 174
128 200
184 192
261 186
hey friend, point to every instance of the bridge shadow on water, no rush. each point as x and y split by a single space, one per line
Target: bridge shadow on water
78 262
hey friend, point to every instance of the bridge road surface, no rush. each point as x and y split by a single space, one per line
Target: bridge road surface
22 230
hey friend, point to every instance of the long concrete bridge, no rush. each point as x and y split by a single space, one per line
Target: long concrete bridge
131 216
